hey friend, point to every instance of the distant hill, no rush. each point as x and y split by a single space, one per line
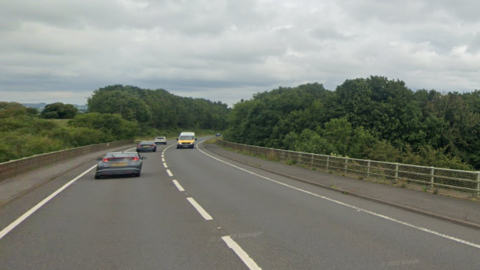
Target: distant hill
41 106
38 106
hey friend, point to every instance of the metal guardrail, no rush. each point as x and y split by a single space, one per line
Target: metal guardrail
429 177
15 167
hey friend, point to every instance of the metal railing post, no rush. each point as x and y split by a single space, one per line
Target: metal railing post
368 168
396 171
328 161
478 184
432 178
346 164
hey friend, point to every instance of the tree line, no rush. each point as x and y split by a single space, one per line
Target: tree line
115 113
158 108
368 118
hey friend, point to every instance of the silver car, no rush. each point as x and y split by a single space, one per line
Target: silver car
161 140
147 146
119 163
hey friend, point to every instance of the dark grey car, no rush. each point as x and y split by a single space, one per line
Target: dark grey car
119 163
147 146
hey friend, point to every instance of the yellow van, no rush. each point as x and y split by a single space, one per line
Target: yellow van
186 140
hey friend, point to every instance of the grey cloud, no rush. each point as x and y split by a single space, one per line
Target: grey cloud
474 44
232 48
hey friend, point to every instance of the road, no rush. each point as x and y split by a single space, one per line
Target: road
191 209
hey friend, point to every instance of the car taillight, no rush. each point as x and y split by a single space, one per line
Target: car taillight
105 160
136 159
153 145
139 145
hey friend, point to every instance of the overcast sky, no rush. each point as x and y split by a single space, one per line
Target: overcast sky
226 50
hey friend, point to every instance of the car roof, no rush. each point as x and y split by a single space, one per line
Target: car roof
122 154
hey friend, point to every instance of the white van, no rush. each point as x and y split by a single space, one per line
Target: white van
186 140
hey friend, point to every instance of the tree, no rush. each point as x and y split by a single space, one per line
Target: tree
59 110
118 102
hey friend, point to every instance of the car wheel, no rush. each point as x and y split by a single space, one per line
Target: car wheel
137 175
98 177
155 149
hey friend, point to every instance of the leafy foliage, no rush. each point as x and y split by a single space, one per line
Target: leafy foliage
23 133
159 109
112 125
270 116
59 110
117 112
373 118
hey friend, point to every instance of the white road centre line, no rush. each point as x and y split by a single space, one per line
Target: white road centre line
163 159
241 253
351 206
180 188
200 209
170 173
19 220
165 165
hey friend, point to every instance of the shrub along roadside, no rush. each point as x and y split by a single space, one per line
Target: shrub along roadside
15 145
24 135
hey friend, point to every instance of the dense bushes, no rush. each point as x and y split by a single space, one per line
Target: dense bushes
113 126
23 134
373 118
17 144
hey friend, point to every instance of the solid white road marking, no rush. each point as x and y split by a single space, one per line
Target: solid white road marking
200 209
19 220
169 173
351 206
240 253
180 188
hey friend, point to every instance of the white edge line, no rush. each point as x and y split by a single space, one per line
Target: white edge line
180 188
353 207
169 173
200 209
19 220
249 262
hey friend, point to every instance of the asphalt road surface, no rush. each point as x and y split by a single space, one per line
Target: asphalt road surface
191 209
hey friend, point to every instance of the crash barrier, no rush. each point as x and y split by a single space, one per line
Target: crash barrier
396 173
13 168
